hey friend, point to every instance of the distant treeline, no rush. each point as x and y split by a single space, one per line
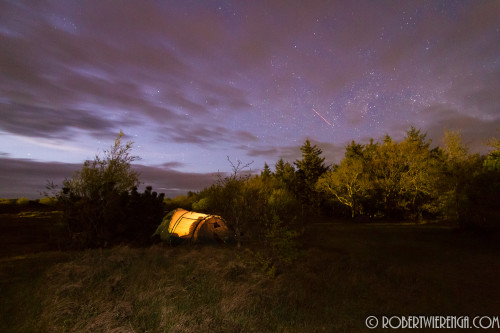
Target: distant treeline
389 180
406 180
14 206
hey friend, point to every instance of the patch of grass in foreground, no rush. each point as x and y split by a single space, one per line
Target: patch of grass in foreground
346 272
22 280
30 232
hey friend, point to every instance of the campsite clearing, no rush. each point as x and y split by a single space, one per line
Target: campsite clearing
346 272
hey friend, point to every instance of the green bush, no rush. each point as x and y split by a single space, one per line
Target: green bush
479 208
113 218
283 203
101 204
181 201
48 201
22 201
163 231
282 242
201 205
280 248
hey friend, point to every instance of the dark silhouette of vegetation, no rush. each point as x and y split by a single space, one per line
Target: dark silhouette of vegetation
389 180
309 169
232 198
407 180
101 203
261 210
479 192
182 201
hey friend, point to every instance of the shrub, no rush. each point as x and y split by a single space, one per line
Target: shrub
479 208
181 201
117 217
282 241
201 205
48 201
280 248
102 206
5 201
23 201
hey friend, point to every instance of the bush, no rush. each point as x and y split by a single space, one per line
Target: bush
48 201
102 206
181 201
23 201
479 207
114 218
280 248
283 203
5 201
201 205
281 240
163 231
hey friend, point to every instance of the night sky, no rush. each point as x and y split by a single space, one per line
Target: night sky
192 82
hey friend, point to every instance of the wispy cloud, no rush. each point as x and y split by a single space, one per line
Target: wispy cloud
223 78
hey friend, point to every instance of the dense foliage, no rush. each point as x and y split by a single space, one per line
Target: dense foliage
390 180
406 180
101 203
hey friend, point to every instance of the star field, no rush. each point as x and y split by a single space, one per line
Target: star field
194 82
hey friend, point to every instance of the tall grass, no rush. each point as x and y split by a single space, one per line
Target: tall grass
344 273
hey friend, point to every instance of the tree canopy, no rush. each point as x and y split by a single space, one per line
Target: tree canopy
112 170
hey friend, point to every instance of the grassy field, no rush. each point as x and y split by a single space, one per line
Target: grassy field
345 273
30 232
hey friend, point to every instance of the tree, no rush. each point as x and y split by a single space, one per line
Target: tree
346 182
418 184
386 167
480 207
285 174
266 173
101 204
112 170
309 169
454 168
492 161
459 168
354 150
231 198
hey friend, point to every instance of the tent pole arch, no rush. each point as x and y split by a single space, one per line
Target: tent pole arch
194 227
177 222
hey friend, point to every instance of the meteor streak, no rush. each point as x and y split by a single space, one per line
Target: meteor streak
326 121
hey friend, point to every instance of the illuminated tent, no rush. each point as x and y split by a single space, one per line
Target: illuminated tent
195 227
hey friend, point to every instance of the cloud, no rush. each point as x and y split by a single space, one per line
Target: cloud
478 94
40 121
22 177
171 165
187 132
229 78
172 182
90 65
265 152
475 131
332 153
28 178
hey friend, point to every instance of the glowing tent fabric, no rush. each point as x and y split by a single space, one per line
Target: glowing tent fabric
196 227
182 221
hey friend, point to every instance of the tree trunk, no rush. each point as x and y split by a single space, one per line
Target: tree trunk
238 237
